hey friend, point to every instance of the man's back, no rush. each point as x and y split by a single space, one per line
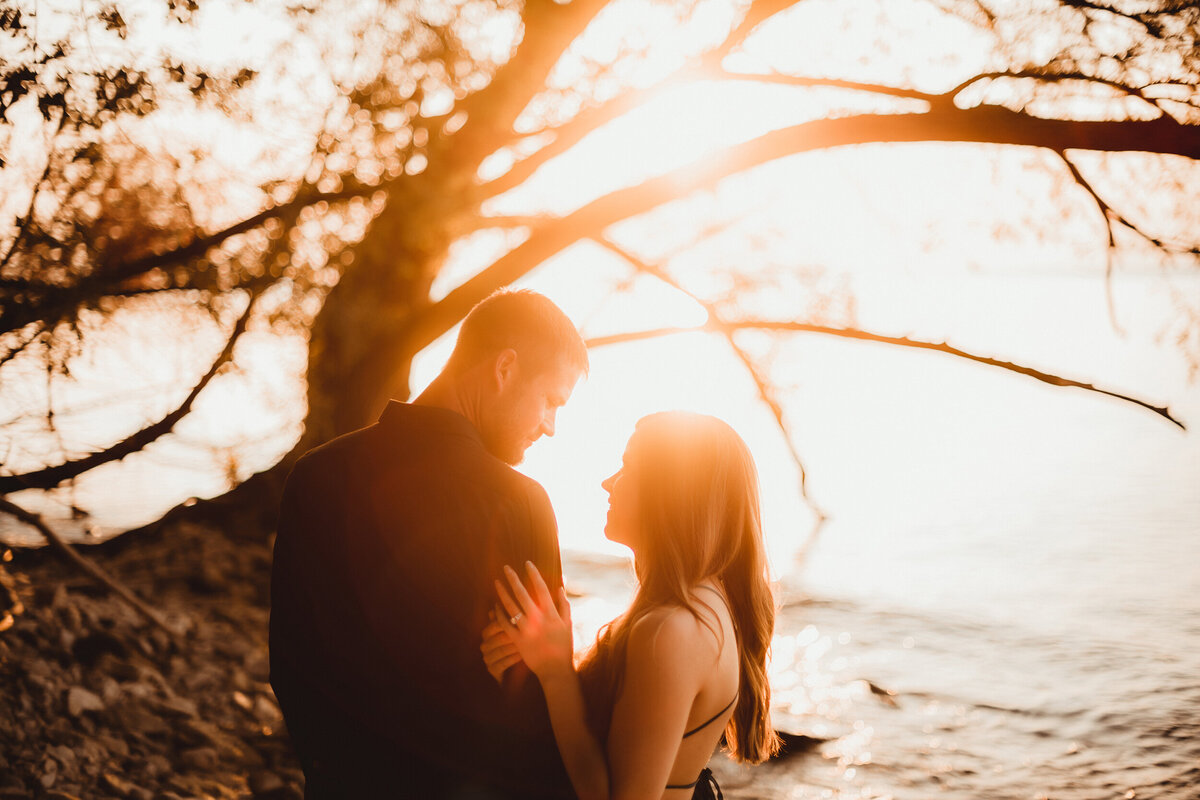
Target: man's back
389 539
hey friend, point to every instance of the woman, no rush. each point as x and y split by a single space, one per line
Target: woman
646 707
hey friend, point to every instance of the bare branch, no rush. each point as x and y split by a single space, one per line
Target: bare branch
549 30
1056 77
1111 215
900 341
568 134
512 221
111 278
944 122
84 565
20 348
52 476
765 391
831 83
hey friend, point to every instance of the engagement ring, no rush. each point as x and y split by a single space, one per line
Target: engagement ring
513 620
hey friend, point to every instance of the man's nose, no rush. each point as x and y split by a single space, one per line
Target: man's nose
548 424
607 483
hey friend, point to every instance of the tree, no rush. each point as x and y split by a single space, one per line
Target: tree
436 112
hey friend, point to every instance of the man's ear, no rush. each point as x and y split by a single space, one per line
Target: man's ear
504 368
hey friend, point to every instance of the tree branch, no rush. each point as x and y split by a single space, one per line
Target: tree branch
765 391
84 565
1111 215
899 341
568 134
783 79
52 476
944 123
1055 77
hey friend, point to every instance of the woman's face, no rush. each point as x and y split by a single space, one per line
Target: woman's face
621 524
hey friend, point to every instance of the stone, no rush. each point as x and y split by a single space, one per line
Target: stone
110 691
266 710
64 755
156 766
117 785
178 705
263 782
80 700
198 732
201 759
242 700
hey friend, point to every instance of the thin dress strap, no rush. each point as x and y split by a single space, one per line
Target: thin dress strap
711 719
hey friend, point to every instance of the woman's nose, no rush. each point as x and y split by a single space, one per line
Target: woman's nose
608 482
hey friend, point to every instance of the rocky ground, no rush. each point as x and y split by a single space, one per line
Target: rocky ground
97 702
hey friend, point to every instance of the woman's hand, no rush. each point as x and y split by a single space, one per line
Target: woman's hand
542 633
499 652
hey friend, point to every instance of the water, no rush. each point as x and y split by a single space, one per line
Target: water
1016 563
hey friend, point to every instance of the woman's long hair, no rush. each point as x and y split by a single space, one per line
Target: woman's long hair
697 517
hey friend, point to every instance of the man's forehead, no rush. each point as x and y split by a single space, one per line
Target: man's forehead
564 376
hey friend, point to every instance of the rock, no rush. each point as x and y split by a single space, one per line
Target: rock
180 706
135 717
120 669
201 759
121 787
110 691
115 745
64 755
80 700
266 710
263 782
156 766
198 733
793 744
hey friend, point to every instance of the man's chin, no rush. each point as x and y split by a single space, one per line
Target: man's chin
513 457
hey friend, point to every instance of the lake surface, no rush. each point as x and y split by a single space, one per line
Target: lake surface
1017 564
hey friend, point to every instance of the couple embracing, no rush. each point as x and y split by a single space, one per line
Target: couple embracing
420 636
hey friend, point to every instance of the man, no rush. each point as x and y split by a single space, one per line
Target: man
388 543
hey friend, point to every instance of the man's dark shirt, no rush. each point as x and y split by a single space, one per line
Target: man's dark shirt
389 539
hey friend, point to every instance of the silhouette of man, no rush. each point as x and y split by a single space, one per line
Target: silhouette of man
388 543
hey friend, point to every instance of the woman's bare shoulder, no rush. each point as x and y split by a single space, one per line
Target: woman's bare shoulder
671 633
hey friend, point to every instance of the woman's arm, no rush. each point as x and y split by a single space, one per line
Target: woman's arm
667 659
542 639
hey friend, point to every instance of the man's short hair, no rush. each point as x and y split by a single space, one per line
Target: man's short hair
523 320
